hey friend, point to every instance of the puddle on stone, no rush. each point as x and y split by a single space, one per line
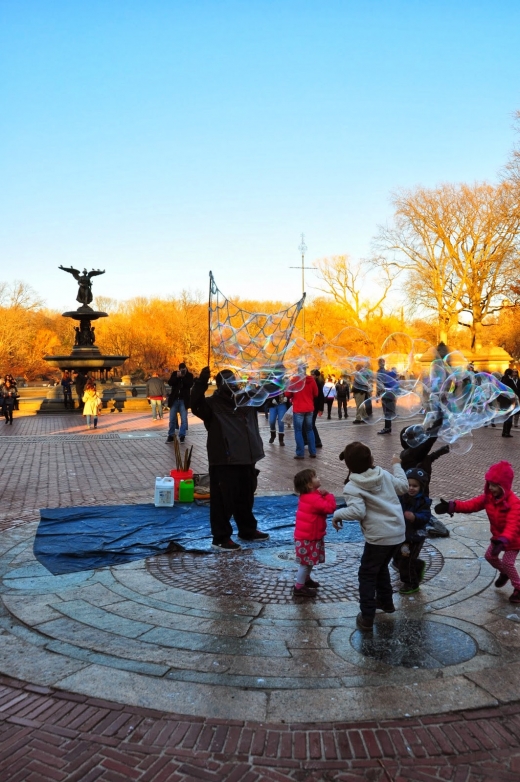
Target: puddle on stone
415 643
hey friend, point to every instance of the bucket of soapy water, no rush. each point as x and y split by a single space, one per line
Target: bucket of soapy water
178 476
164 492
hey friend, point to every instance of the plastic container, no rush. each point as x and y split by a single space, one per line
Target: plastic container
178 476
186 490
164 492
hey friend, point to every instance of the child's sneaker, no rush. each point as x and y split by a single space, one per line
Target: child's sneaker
501 580
312 584
304 591
408 589
226 545
515 597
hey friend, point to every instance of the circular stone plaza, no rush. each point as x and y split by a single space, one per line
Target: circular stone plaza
190 666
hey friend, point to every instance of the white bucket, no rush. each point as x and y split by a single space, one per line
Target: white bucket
164 490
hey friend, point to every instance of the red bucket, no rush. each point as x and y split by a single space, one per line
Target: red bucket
178 476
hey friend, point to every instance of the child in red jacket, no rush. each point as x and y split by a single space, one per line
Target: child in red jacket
314 506
503 510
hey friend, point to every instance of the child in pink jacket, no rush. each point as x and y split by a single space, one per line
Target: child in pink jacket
314 506
503 510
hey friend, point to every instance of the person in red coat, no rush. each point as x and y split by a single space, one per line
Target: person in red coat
503 509
314 505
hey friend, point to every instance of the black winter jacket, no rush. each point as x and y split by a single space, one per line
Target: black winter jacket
233 436
420 507
180 388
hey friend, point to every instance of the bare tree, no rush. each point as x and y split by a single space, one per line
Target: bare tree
459 247
347 283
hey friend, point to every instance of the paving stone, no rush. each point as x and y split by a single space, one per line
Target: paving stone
31 663
167 695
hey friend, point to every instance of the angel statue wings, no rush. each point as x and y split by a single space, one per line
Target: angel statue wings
84 279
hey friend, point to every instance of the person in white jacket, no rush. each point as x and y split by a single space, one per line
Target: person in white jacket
371 496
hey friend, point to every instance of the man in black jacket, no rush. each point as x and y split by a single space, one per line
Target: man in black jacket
179 401
234 446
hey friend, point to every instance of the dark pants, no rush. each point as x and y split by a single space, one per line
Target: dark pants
506 428
232 493
410 566
67 400
329 403
8 413
388 400
342 406
374 578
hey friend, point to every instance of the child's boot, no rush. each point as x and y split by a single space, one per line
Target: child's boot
280 439
364 622
273 436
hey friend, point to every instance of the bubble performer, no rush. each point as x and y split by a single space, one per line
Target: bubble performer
234 447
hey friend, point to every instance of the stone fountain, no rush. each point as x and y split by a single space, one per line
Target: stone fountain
86 357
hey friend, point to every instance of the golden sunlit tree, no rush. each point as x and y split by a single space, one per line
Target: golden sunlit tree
459 248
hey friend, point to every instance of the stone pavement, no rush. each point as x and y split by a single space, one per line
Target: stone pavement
187 666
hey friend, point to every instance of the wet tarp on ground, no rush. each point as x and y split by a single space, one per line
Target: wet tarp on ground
69 540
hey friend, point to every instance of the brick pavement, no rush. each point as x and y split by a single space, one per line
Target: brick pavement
53 734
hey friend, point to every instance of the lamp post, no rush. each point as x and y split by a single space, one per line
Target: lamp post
302 247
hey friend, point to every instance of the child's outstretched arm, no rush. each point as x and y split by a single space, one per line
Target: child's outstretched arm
354 510
461 506
399 478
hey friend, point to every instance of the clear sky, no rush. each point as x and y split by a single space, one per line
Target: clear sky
165 138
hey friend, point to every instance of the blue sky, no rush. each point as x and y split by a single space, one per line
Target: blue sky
162 139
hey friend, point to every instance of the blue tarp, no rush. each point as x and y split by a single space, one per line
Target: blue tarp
69 540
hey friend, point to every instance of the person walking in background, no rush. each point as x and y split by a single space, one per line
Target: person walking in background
9 397
360 391
92 404
507 380
156 393
234 447
342 395
80 381
386 385
303 409
180 383
329 395
319 406
277 407
66 384
314 505
516 382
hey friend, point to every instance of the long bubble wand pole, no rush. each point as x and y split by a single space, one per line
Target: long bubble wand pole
209 317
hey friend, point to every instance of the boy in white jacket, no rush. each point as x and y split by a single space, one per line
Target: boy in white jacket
371 498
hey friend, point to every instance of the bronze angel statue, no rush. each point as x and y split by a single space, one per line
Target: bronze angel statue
84 279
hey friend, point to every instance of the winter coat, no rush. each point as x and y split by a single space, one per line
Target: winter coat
8 397
311 515
342 390
180 386
371 498
503 513
92 402
420 506
329 391
155 388
233 436
303 401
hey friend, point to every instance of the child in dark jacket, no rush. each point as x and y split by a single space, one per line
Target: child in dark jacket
503 511
314 506
416 508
